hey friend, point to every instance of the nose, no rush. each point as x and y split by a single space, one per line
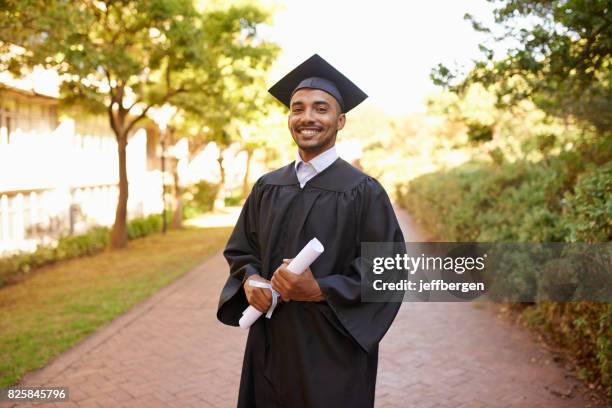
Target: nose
308 115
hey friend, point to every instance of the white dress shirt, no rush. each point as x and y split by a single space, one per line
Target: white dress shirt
307 170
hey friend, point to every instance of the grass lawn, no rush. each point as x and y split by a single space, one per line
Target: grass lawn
61 304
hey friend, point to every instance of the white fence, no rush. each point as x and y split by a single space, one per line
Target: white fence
29 218
63 183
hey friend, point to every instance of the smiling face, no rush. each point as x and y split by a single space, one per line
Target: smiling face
315 118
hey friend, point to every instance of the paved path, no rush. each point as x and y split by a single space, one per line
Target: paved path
170 351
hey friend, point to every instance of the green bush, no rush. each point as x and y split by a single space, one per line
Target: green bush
15 267
563 198
589 213
583 328
199 198
95 240
521 202
233 200
140 227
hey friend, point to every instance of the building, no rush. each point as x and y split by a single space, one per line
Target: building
59 171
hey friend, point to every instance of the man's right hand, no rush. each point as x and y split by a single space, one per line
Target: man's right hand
259 298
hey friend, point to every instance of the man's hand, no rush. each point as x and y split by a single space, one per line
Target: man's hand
259 298
290 286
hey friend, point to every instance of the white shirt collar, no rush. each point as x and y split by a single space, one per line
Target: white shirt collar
320 162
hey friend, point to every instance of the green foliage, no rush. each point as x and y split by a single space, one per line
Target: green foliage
199 198
124 58
237 77
478 132
537 178
104 50
141 227
516 202
15 267
559 58
234 198
563 198
589 215
95 240
583 328
472 126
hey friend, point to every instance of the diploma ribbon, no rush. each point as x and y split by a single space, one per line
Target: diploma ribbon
264 285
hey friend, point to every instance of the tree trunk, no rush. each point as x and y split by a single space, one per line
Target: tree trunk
162 141
177 221
220 198
245 181
119 235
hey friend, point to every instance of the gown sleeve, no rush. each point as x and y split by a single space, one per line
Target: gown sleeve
366 322
243 255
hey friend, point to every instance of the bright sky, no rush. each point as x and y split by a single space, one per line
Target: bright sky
386 47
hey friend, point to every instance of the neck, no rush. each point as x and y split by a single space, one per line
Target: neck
308 155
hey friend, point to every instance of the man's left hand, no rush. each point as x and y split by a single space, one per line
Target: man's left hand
290 286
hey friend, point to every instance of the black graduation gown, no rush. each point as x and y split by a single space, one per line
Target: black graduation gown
311 354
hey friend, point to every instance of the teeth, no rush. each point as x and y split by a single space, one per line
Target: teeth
309 132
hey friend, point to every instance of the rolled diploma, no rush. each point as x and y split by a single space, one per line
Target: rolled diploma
298 265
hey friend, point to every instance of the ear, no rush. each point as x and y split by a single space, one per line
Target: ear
341 120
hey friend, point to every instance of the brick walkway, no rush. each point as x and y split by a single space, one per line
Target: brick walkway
170 351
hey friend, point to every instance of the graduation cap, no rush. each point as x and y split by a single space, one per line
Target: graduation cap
317 73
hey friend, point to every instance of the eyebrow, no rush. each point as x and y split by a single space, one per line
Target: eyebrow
298 102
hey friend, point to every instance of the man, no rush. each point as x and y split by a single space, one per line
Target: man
320 346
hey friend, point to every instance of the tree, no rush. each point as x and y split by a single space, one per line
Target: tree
267 133
124 57
560 57
239 98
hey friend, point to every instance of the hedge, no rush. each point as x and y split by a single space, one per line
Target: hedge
15 267
564 198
